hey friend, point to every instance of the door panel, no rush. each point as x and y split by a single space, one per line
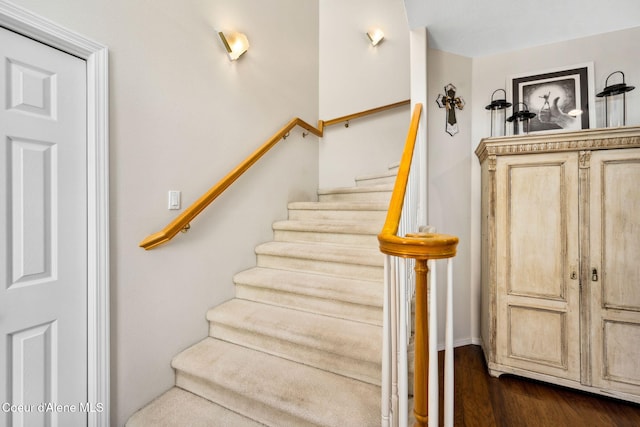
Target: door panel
43 232
536 221
614 253
33 241
31 89
538 335
538 296
33 364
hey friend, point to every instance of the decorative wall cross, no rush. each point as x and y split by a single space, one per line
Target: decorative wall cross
450 101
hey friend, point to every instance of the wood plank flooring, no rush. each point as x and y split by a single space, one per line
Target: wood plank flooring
509 401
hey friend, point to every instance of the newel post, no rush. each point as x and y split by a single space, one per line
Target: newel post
422 247
421 357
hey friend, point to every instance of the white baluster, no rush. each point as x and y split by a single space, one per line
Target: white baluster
403 386
448 362
386 347
395 325
433 346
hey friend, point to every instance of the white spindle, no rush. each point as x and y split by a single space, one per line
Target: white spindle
403 380
396 326
386 346
448 361
433 346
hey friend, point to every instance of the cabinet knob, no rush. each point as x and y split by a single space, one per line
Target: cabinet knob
574 275
594 275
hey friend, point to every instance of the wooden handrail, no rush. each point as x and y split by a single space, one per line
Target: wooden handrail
424 246
324 123
421 247
182 221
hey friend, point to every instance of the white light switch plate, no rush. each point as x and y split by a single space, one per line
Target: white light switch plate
174 199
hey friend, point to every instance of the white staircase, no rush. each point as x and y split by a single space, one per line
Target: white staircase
300 344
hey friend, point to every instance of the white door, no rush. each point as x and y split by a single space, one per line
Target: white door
43 235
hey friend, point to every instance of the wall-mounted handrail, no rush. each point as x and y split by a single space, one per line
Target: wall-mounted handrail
324 123
182 222
422 247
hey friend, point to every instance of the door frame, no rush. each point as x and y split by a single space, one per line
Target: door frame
37 28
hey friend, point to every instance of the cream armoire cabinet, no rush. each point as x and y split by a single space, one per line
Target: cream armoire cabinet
561 258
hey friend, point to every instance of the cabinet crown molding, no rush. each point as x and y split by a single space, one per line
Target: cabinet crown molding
590 139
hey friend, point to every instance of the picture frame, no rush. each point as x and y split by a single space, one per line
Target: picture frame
563 99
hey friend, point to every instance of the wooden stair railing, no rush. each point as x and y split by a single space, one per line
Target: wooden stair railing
324 123
182 222
422 247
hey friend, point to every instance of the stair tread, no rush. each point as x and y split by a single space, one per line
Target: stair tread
345 206
265 381
363 189
178 408
347 338
340 288
330 226
324 252
387 174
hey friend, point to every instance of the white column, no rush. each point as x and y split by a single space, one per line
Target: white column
418 78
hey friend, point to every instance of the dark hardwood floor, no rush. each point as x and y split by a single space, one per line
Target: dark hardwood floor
510 401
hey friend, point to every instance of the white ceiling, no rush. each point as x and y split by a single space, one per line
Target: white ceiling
476 28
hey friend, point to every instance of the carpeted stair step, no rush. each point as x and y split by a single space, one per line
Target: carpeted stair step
338 211
334 260
362 233
353 299
344 347
179 408
371 193
275 391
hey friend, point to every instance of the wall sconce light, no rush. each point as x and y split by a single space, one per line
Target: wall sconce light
376 35
520 119
498 109
235 43
615 106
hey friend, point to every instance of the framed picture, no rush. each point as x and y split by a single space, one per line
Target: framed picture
562 99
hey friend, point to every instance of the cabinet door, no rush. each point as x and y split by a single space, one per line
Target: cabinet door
615 269
537 264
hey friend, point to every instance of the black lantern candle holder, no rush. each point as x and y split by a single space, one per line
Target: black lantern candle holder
615 105
498 108
521 119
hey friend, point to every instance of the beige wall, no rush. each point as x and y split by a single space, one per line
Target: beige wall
356 76
449 165
182 115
